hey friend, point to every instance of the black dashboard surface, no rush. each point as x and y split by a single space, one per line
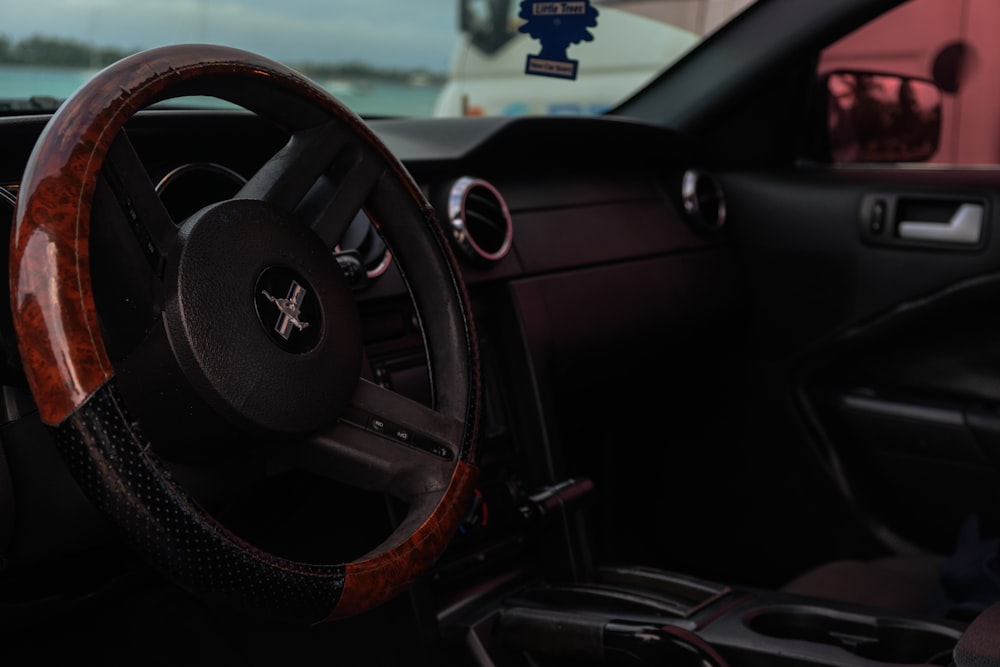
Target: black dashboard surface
603 259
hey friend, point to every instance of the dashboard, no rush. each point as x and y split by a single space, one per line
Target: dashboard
591 249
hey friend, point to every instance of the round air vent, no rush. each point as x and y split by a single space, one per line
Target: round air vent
703 199
479 220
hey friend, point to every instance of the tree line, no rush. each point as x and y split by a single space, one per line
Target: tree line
59 52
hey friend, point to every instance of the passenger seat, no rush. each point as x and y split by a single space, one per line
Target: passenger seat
958 586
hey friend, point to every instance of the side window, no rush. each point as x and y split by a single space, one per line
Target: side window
925 65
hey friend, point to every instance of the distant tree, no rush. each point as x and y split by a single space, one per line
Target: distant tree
359 71
57 52
38 50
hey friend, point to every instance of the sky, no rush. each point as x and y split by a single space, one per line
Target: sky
384 33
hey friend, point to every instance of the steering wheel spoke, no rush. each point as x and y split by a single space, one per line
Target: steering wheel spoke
335 201
384 442
141 207
132 237
290 173
322 174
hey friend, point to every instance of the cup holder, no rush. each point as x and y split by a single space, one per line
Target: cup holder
892 640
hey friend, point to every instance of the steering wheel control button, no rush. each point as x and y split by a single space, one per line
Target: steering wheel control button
390 430
288 309
394 432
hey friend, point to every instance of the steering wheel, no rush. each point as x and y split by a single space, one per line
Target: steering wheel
232 339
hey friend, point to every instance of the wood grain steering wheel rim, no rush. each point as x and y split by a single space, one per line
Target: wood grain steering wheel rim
74 381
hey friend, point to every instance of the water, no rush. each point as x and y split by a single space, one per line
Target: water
384 99
367 98
22 81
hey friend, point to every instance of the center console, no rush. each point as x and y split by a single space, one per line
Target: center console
639 615
518 586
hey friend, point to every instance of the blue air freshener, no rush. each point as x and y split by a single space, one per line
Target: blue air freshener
556 25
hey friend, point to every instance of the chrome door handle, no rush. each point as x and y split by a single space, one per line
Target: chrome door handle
965 226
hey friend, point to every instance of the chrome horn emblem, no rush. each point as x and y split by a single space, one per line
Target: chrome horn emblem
291 308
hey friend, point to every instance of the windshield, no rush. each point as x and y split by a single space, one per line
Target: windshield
383 58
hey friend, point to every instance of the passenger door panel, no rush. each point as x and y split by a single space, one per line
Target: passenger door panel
879 324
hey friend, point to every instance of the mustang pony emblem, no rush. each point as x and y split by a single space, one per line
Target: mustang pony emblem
290 308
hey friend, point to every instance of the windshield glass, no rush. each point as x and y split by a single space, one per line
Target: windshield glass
380 57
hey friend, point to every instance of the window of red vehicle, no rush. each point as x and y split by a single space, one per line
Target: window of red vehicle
950 43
